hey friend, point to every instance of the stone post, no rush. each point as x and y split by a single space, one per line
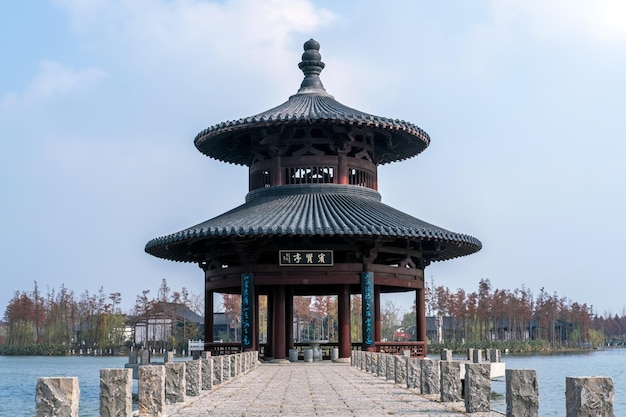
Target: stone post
431 378
233 366
151 390
470 354
168 357
225 368
477 355
400 371
381 365
144 357
207 373
132 357
116 391
477 387
193 377
589 396
368 362
175 383
390 373
375 359
57 397
218 370
414 374
450 389
522 393
494 355
446 354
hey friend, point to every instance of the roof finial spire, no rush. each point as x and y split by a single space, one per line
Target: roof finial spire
311 66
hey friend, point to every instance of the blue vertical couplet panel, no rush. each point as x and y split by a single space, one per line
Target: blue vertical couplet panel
367 291
247 310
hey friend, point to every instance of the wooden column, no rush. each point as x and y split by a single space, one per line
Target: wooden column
248 312
208 316
342 168
377 320
277 172
270 324
420 314
279 345
368 309
289 316
343 311
256 322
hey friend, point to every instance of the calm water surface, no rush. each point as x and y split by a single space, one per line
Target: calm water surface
554 368
18 379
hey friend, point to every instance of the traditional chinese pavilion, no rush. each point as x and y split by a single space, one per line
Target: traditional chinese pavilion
313 222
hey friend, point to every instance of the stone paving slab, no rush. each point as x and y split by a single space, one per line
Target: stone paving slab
314 389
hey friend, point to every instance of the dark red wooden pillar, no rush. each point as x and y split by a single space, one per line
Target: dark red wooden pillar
279 344
256 322
208 316
420 314
269 348
378 330
289 316
343 311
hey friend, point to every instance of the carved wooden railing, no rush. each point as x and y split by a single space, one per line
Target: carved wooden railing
218 349
417 349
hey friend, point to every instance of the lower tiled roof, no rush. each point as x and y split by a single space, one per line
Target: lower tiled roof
313 210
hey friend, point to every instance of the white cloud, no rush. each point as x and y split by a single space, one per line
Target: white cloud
196 33
53 80
566 20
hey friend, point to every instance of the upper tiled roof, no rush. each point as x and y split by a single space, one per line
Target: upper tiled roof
313 210
394 140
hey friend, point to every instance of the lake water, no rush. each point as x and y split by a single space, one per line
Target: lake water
552 370
18 378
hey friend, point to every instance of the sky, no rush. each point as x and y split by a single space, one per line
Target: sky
525 104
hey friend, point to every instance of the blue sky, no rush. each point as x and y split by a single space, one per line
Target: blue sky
100 101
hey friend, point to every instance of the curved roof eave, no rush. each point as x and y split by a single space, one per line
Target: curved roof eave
312 105
312 210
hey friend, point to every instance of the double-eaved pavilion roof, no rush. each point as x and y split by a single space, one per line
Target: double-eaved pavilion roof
294 210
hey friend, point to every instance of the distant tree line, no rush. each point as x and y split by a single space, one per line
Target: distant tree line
517 315
61 321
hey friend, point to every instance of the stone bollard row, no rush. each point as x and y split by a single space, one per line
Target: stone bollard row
585 396
158 385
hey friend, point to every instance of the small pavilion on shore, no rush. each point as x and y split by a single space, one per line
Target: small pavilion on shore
313 222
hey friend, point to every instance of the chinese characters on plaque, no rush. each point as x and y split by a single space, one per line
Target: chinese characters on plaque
306 258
